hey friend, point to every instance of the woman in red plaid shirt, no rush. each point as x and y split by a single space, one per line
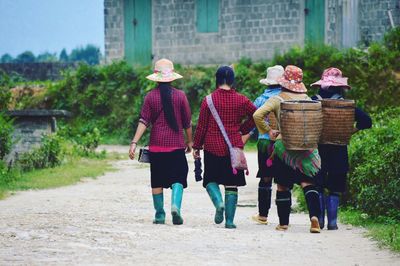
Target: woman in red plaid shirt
232 107
167 111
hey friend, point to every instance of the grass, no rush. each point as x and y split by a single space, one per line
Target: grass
384 230
67 174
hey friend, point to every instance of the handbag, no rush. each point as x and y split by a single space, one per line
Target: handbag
238 159
144 155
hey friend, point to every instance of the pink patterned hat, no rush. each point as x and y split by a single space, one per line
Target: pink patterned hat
332 77
293 79
164 71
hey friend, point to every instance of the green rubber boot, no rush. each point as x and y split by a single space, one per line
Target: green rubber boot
216 197
231 198
176 201
158 202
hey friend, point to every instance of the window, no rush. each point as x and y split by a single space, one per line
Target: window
207 15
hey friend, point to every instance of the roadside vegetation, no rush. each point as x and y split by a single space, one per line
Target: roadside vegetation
105 102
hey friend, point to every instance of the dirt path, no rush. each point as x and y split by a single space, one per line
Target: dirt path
108 221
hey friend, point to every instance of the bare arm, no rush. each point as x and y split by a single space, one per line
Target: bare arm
189 138
141 128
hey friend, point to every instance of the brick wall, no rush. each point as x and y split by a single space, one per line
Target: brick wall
247 28
374 18
114 29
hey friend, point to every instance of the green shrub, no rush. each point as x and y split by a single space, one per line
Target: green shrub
6 130
374 181
49 154
7 175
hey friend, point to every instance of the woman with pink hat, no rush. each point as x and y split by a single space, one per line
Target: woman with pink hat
293 88
335 164
167 111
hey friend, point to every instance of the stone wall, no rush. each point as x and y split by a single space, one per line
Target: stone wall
369 22
37 71
114 29
374 18
29 128
247 28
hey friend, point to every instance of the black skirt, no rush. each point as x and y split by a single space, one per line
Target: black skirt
168 168
264 152
219 170
287 176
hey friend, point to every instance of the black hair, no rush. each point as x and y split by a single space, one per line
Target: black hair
166 100
332 90
224 75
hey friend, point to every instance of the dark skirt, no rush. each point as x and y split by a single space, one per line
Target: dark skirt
168 168
264 152
219 170
334 182
287 176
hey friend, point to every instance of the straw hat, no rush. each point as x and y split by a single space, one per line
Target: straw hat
332 77
164 71
273 74
293 79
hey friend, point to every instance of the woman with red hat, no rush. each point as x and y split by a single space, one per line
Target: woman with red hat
167 111
293 88
334 158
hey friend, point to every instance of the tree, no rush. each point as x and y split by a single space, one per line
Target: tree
25 57
63 56
46 57
90 54
6 58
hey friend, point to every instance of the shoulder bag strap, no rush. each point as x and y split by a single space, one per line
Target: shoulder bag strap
217 118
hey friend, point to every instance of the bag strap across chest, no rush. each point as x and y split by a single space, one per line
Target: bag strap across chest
217 118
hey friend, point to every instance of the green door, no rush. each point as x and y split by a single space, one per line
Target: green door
137 22
315 21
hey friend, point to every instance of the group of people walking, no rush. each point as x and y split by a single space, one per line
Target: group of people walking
228 119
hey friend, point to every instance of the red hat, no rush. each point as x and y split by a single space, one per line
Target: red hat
332 77
293 79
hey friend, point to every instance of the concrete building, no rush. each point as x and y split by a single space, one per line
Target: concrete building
223 31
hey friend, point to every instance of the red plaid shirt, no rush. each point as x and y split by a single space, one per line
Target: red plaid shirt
162 135
232 107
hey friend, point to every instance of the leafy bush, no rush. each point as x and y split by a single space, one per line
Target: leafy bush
7 175
49 154
374 181
6 129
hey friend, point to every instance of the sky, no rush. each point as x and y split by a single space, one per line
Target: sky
50 25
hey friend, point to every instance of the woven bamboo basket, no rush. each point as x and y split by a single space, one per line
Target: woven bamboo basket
338 121
272 121
301 124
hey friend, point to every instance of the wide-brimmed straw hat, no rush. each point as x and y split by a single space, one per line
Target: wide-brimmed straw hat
164 71
293 79
273 74
332 77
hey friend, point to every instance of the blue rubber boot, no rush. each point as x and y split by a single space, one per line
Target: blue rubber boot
321 218
158 202
231 198
176 201
216 198
332 205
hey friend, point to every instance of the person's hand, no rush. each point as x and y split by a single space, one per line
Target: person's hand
273 134
196 154
245 138
132 151
189 146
